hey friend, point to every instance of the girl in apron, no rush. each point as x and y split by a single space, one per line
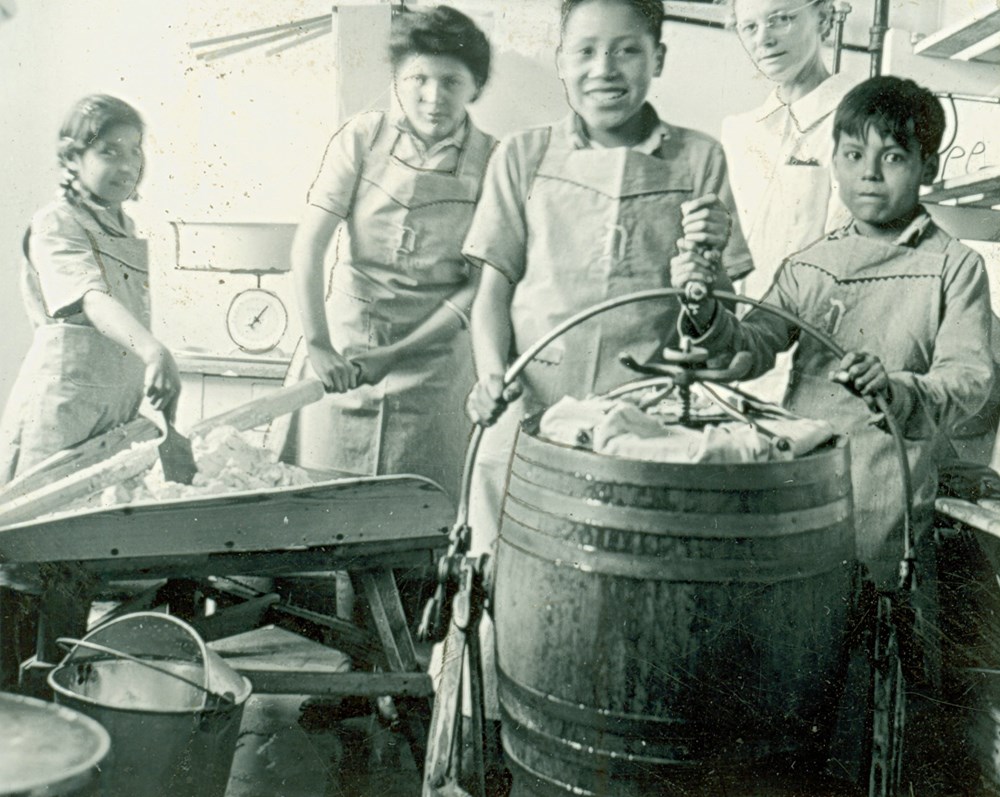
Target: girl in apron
93 359
86 290
386 332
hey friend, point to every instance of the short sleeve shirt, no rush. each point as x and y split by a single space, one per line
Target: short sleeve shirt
336 184
61 266
499 234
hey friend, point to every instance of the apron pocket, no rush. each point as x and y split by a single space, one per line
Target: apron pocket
350 320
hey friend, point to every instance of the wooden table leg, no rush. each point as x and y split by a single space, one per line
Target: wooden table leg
18 632
386 611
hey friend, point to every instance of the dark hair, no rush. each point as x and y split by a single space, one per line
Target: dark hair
91 118
440 30
650 10
895 107
88 120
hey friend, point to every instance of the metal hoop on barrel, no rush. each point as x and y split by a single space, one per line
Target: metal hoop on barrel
462 518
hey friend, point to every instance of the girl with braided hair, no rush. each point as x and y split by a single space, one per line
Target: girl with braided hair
86 291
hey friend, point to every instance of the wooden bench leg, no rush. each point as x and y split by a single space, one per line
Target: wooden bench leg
63 610
386 612
18 632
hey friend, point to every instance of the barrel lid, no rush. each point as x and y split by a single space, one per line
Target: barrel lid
46 746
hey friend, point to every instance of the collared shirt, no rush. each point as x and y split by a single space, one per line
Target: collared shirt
441 156
911 236
336 183
779 159
61 266
921 304
499 234
111 222
650 145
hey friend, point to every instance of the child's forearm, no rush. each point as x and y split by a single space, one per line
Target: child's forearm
451 316
490 323
113 320
312 238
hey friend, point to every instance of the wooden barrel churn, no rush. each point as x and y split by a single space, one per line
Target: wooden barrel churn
656 619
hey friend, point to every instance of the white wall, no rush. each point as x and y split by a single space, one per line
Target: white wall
235 139
239 139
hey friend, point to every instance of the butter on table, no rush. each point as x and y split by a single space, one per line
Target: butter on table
227 462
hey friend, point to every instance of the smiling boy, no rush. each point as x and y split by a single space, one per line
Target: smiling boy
582 210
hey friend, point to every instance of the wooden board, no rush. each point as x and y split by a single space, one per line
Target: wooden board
80 484
960 41
333 513
279 662
72 460
979 518
977 189
273 648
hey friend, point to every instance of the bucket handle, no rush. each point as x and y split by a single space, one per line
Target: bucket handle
68 642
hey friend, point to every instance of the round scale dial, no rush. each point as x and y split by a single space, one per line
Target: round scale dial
257 320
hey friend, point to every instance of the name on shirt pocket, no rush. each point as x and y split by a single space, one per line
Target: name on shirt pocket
793 161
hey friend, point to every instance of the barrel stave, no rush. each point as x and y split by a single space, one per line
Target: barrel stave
650 624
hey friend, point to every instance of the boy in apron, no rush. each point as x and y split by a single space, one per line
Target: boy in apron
581 211
577 212
890 282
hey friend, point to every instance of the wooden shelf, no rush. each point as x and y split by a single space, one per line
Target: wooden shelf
967 223
980 189
976 38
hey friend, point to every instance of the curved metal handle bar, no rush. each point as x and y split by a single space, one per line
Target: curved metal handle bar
70 643
818 335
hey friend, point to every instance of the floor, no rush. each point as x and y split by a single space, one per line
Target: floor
279 756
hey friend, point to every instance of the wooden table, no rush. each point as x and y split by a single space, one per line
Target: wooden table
365 526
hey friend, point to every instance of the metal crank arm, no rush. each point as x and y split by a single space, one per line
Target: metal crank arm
443 771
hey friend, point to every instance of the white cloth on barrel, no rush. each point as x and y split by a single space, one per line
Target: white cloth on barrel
620 428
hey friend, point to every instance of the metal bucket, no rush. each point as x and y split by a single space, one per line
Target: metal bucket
172 707
48 750
654 620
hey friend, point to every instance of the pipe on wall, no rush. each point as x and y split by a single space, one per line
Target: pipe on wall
840 12
876 40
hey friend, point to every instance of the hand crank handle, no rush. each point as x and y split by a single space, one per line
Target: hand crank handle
738 368
652 369
695 291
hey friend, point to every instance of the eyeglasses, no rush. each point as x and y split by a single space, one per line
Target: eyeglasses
778 22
